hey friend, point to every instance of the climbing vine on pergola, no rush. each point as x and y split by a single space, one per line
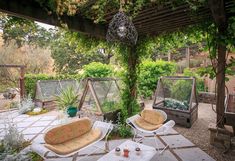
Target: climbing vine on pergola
151 18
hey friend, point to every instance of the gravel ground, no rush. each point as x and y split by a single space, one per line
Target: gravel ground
199 133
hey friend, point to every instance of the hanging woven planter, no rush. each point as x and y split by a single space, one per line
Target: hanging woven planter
121 29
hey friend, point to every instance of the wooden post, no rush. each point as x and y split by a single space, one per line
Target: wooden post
95 97
188 57
218 13
169 56
86 88
22 85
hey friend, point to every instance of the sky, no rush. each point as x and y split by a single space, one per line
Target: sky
46 26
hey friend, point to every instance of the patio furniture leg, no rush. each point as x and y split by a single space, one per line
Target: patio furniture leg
97 148
164 149
157 146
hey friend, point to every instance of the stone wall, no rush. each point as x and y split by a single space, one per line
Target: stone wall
206 97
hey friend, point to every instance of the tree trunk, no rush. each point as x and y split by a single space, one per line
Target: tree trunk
132 78
218 13
220 80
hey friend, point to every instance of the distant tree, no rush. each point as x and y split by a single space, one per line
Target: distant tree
71 51
36 59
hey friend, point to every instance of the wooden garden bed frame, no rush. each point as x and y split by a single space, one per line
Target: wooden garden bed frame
230 111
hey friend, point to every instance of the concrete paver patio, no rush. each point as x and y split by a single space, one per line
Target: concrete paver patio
34 127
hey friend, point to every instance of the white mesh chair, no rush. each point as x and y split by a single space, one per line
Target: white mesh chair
105 128
142 133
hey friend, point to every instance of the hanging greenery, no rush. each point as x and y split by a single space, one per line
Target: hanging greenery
97 10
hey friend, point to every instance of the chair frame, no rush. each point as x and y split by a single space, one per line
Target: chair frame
106 129
160 131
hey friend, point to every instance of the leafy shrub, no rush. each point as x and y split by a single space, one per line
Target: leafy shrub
108 106
121 130
26 105
200 86
97 70
31 80
124 131
12 144
150 72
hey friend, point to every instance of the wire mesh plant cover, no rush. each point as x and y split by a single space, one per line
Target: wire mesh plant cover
103 93
47 89
176 92
121 29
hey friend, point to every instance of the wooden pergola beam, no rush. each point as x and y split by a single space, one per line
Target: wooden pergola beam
29 9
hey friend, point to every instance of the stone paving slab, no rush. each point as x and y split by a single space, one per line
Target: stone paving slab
3 126
41 123
56 122
24 124
165 156
31 119
29 137
171 132
19 119
2 133
39 139
60 159
47 128
33 130
48 118
151 142
193 154
176 141
23 116
90 158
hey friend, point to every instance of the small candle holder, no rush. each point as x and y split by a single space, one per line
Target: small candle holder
118 151
138 151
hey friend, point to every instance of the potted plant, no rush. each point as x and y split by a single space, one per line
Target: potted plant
67 100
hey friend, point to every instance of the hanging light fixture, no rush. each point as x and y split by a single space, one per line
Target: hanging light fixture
121 29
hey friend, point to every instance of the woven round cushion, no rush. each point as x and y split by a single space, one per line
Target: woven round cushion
152 116
146 125
68 131
76 143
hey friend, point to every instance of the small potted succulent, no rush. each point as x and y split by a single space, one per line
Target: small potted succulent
67 100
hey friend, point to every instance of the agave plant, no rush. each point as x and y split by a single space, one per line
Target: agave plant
67 97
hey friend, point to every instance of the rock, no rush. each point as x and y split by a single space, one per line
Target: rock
37 109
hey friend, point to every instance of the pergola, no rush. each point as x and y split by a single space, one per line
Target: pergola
21 78
151 21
